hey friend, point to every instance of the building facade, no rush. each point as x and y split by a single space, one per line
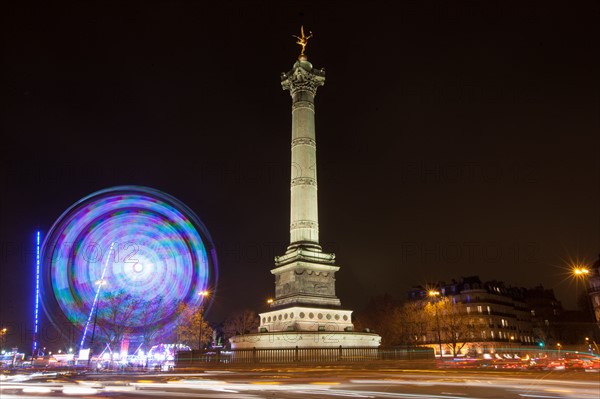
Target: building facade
496 318
546 314
594 289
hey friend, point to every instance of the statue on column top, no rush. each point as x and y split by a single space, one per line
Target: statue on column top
303 40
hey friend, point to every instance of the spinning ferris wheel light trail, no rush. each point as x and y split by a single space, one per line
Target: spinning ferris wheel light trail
151 247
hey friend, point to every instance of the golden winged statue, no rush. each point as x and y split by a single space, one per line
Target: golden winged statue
302 39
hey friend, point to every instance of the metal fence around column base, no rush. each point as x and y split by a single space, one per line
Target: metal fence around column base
298 355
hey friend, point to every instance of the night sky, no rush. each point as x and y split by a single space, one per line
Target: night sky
453 139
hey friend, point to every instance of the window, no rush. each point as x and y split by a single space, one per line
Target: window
489 309
468 310
480 308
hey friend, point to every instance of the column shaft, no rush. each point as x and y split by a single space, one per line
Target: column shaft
304 218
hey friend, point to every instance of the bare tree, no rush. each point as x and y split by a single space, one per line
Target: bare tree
382 316
414 323
240 323
455 327
192 329
115 319
149 315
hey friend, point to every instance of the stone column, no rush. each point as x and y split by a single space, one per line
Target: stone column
302 82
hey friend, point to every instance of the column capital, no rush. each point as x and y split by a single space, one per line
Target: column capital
303 77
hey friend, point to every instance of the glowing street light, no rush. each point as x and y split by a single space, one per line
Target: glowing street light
558 345
2 336
270 301
588 346
581 271
434 294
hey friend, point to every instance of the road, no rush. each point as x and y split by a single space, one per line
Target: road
308 383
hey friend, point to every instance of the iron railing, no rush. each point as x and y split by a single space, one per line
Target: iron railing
299 355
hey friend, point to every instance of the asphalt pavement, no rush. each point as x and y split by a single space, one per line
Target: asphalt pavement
306 382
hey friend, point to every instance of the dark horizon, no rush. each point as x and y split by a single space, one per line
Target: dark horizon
453 140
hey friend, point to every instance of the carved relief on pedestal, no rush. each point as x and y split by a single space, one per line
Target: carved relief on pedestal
322 289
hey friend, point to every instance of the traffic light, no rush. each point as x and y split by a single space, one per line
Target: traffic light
541 344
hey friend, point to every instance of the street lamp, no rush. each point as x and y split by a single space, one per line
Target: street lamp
558 345
580 272
203 294
588 346
2 337
434 294
583 273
